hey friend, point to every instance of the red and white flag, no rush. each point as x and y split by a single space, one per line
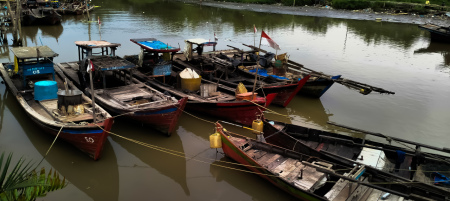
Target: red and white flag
99 22
266 40
90 66
254 28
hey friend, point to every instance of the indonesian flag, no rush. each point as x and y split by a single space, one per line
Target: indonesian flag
90 66
266 40
99 22
254 28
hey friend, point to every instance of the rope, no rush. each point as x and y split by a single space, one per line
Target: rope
268 109
178 154
51 145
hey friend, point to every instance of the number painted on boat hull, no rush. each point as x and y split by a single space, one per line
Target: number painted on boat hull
89 139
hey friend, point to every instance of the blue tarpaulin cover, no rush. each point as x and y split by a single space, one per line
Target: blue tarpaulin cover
440 179
263 72
156 44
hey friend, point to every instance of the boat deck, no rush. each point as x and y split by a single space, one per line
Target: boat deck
291 170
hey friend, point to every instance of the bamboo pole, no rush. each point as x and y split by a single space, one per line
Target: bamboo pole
92 95
257 66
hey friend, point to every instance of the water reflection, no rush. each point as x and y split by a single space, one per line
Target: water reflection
309 112
54 31
97 179
397 34
175 17
250 184
437 48
30 32
168 165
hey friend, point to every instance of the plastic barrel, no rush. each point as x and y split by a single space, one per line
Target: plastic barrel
45 90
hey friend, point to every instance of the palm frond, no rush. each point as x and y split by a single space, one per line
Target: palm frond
24 183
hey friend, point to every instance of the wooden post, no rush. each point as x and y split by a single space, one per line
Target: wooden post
18 21
11 15
87 11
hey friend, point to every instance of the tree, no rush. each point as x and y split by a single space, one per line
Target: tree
23 183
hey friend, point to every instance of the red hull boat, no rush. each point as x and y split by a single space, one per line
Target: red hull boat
44 103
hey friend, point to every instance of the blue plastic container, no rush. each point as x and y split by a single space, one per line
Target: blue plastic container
45 90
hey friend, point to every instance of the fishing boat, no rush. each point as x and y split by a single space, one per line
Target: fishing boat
206 97
115 89
57 107
403 162
308 177
437 32
40 12
286 69
216 68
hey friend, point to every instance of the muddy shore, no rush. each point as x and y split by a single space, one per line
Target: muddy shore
366 14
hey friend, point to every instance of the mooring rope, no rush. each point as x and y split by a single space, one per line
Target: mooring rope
51 145
283 115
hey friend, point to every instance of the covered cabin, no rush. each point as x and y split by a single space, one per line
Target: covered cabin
101 57
155 56
199 44
32 61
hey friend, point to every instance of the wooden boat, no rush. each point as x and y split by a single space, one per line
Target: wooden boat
216 69
48 103
39 12
210 98
312 178
400 162
318 82
437 33
117 91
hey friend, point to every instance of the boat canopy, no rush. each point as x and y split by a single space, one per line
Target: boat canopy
30 61
33 52
154 45
201 41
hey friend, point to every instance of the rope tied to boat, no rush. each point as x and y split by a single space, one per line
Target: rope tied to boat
182 155
51 145
283 115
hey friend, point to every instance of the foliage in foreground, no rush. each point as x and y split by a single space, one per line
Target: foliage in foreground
23 183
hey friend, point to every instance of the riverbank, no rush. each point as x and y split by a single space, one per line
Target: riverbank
326 11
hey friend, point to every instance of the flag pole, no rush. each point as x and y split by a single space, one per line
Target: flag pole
254 35
257 66
92 93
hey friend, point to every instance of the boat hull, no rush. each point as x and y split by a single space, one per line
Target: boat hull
242 112
88 140
49 19
163 119
437 33
238 155
285 93
317 88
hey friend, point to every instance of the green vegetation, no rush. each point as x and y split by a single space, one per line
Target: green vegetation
409 6
23 183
